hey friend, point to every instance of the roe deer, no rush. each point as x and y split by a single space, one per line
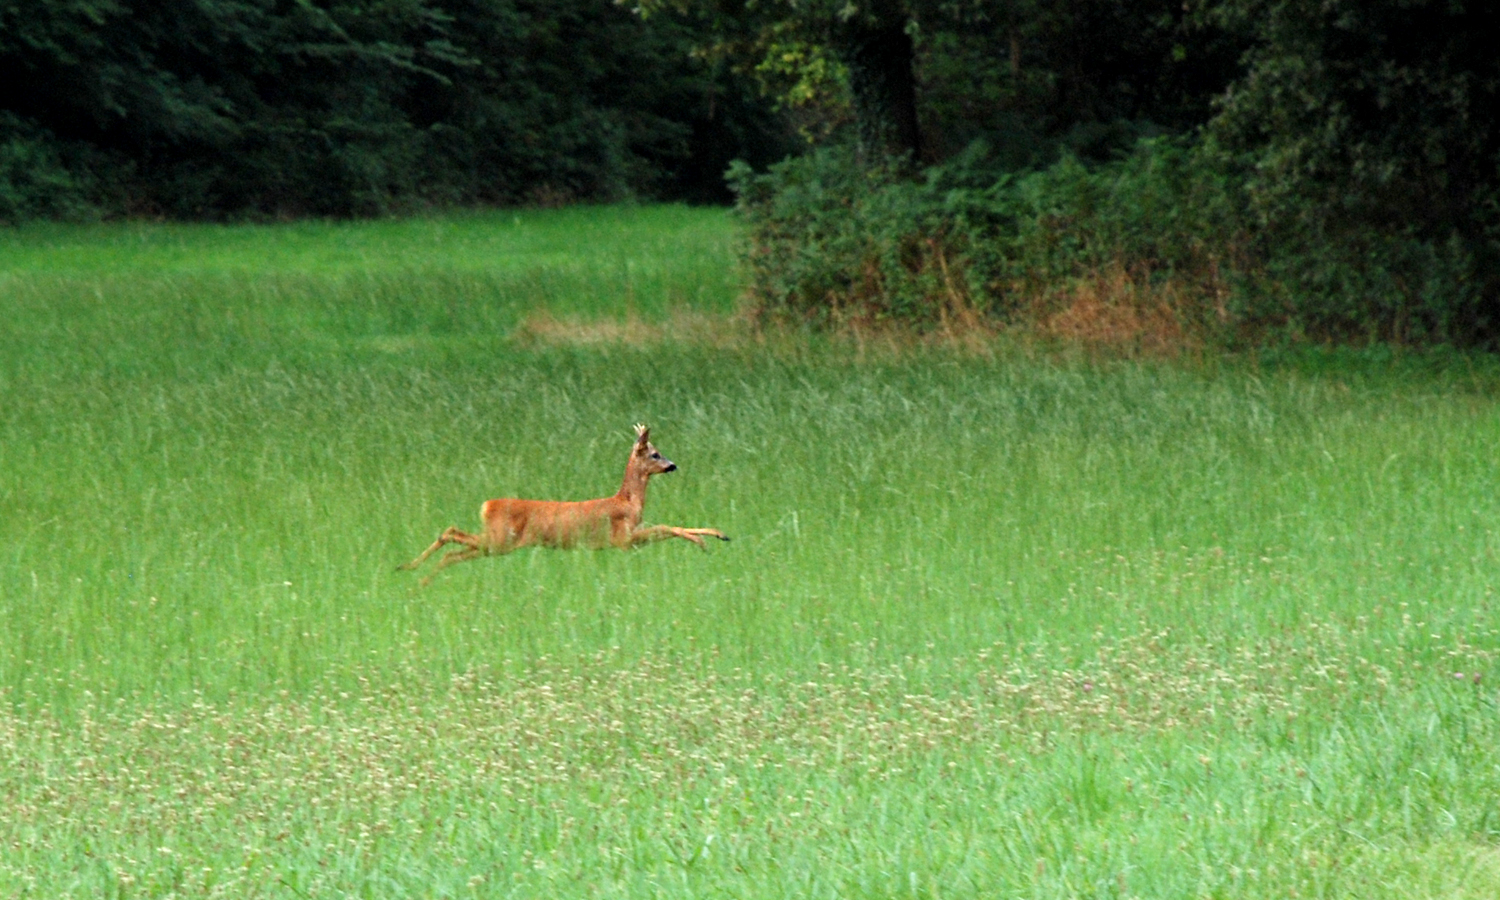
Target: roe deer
609 521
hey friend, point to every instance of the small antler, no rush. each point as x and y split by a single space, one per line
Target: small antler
641 431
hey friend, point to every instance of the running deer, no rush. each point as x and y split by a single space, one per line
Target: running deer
609 521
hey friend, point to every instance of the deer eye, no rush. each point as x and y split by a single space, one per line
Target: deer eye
656 455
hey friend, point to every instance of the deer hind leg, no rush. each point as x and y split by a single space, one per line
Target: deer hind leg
450 535
456 556
655 533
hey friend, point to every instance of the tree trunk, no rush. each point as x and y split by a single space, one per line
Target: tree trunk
878 52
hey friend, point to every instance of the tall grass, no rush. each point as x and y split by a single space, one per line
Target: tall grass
185 301
992 623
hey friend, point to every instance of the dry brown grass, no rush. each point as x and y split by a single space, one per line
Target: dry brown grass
859 337
1119 312
682 326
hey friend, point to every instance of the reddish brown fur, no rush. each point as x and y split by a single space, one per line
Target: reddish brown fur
606 522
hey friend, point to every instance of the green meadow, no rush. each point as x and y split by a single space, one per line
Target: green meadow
997 620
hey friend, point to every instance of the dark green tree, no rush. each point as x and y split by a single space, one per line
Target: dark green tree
854 53
1369 133
203 108
921 78
1090 76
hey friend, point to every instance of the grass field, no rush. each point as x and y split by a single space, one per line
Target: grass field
994 623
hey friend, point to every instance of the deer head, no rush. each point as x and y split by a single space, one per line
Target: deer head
646 457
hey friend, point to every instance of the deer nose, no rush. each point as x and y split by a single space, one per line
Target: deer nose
671 466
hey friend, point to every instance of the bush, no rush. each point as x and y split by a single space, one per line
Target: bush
829 237
829 240
1174 229
1367 133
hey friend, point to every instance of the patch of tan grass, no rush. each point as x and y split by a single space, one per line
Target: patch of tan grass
860 337
682 326
1122 313
1113 314
1116 312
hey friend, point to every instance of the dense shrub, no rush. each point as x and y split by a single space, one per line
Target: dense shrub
1175 228
1367 133
1341 181
830 239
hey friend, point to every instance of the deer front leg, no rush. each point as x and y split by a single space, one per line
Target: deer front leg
450 535
654 533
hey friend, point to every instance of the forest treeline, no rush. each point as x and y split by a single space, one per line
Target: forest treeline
1156 168
205 109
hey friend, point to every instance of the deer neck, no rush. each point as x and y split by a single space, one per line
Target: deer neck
633 488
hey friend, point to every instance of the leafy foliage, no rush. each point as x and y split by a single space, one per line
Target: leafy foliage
1090 76
1024 75
1369 137
1346 186
828 236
